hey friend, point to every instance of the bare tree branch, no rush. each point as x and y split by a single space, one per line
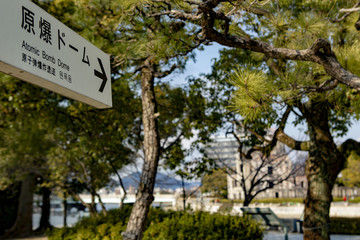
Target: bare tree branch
103 208
163 149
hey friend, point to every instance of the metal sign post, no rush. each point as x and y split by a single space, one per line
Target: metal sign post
37 48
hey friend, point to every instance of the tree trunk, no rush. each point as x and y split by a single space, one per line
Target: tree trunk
322 167
184 192
125 193
103 208
23 224
246 202
65 209
92 205
144 196
247 198
45 211
9 203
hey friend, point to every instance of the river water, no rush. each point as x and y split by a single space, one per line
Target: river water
57 219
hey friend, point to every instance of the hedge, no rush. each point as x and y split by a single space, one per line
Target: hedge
166 225
203 226
349 226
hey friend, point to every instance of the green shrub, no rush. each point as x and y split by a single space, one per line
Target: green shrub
231 201
355 200
161 224
203 226
285 200
99 227
345 226
279 200
338 199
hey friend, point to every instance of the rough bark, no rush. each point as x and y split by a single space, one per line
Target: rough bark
23 224
45 211
322 167
144 196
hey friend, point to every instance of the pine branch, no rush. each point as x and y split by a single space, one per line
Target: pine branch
320 52
163 74
325 86
281 136
177 14
350 10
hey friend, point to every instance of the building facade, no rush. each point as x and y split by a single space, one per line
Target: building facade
265 177
260 172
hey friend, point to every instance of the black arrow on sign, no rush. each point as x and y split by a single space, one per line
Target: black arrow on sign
101 75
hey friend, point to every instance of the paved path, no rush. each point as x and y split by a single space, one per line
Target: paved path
299 236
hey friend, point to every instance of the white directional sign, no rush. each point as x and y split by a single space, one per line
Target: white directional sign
37 48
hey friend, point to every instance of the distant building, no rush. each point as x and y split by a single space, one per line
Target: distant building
224 151
273 172
268 171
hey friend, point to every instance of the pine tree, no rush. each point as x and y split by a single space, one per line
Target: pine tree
308 52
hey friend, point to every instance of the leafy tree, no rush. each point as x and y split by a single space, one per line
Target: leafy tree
148 49
35 102
215 183
94 144
24 143
350 175
142 50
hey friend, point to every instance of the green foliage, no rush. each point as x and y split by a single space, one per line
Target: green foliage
162 225
215 183
202 225
253 93
345 226
355 200
285 201
24 145
263 88
350 175
279 200
95 227
91 142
